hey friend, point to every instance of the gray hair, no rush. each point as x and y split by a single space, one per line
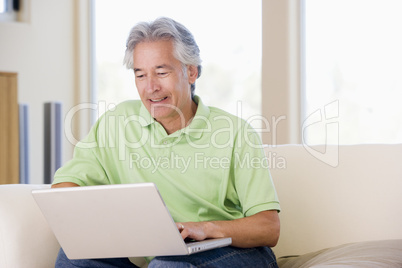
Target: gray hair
185 48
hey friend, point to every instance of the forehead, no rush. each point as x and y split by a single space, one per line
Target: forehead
152 53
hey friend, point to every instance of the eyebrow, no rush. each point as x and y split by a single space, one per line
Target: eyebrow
163 66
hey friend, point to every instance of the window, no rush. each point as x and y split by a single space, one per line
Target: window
3 6
8 10
229 40
353 66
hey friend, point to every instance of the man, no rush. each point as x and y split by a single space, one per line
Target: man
208 165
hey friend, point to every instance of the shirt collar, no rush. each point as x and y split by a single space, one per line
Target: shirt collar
200 121
146 118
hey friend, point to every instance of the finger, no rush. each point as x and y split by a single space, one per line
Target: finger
184 233
180 226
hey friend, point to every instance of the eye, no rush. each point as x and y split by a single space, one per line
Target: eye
162 74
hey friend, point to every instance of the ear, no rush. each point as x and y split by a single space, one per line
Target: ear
192 73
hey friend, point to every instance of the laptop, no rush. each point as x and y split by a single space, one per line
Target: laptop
111 221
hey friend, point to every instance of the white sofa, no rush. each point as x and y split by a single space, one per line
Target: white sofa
336 195
26 241
330 196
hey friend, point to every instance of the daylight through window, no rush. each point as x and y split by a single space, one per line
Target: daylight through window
353 71
229 40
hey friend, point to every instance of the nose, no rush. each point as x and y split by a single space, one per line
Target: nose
152 83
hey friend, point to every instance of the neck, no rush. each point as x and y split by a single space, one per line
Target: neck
180 121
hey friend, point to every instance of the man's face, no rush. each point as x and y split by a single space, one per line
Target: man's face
163 86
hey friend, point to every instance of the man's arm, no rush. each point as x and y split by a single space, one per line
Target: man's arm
65 184
261 229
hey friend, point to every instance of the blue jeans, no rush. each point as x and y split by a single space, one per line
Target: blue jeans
221 257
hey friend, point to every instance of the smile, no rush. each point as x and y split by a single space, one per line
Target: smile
158 100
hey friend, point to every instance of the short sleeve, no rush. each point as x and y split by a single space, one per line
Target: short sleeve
85 167
253 182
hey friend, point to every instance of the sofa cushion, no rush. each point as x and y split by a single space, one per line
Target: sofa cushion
385 253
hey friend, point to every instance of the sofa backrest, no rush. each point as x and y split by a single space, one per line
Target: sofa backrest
336 194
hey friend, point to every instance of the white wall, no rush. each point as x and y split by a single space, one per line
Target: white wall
42 51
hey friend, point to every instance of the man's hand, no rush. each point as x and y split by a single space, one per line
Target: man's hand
193 230
261 229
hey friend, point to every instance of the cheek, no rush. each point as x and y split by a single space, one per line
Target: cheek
140 86
180 82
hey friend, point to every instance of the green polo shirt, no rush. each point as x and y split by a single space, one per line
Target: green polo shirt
213 169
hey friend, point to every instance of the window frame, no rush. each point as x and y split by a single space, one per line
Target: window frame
282 77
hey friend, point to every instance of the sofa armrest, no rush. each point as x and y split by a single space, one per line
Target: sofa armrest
25 238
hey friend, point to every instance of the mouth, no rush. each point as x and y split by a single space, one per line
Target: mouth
157 100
